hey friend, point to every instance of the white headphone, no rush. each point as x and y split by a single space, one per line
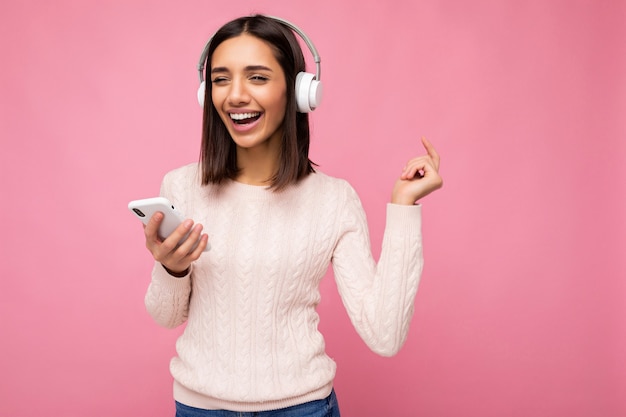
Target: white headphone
308 86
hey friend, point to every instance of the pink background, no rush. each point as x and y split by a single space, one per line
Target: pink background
522 307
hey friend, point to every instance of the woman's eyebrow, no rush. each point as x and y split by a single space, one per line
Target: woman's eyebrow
258 68
247 69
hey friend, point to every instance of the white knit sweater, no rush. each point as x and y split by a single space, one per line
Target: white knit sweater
251 341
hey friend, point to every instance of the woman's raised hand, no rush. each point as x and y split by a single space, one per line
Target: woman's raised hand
420 177
175 257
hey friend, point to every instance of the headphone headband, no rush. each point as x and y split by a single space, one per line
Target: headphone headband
296 29
308 86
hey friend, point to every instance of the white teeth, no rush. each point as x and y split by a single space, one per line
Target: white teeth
242 116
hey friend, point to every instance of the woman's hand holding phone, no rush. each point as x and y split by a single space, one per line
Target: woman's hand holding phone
172 240
175 253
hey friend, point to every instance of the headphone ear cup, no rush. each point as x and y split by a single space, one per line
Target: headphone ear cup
201 93
308 92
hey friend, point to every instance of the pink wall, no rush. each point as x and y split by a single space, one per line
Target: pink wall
522 308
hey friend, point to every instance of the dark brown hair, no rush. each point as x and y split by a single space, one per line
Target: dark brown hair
218 155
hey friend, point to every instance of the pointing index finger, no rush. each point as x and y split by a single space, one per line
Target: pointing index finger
431 151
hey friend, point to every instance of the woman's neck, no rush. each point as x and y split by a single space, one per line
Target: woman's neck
256 166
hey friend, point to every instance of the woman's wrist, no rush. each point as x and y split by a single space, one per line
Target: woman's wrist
175 273
402 200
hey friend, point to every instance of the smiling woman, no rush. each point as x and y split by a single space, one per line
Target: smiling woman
521 308
251 343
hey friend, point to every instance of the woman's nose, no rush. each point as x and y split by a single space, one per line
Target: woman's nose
238 93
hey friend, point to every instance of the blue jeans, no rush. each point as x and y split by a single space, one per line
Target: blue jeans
327 407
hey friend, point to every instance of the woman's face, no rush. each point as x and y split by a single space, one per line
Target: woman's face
249 91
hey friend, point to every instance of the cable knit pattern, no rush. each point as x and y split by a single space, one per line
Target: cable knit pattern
251 341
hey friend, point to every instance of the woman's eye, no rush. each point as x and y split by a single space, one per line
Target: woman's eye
258 78
219 80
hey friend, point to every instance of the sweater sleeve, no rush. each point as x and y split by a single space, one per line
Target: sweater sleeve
379 298
167 297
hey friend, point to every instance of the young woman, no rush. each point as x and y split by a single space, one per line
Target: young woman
251 343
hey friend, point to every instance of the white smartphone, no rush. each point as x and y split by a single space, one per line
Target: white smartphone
145 208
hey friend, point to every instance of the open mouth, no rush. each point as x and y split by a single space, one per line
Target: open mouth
244 118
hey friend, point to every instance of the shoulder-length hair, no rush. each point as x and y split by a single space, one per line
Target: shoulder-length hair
218 155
